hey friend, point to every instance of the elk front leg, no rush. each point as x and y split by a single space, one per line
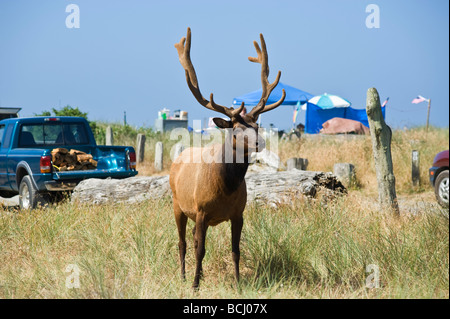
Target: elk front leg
236 229
199 244
181 220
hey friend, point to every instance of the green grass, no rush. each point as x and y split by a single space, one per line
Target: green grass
305 250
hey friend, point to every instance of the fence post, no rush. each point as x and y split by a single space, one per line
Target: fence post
159 156
381 136
178 149
298 163
109 138
140 148
345 172
415 171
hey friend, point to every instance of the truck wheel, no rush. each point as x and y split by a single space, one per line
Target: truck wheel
29 197
441 188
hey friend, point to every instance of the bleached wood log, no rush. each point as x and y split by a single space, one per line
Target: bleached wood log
262 187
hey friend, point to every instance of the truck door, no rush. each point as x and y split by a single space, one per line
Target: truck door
5 142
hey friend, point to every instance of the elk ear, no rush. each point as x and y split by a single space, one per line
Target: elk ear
221 123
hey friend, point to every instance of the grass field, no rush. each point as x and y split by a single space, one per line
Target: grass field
302 250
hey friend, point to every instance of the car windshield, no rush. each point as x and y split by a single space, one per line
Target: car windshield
35 135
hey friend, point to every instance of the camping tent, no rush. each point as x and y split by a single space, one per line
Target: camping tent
316 116
293 95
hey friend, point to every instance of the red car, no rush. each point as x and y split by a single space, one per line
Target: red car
439 177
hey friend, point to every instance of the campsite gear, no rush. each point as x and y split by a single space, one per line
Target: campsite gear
316 116
339 125
165 113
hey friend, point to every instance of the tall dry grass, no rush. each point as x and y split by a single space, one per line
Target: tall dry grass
303 250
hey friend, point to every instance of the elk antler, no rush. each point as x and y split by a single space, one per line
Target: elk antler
267 87
184 48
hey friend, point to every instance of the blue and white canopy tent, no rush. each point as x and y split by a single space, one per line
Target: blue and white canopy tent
294 96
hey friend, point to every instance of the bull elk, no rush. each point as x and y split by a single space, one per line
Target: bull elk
211 192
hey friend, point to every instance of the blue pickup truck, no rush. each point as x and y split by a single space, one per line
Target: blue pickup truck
26 167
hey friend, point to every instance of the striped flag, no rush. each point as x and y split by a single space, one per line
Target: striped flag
419 99
296 111
385 102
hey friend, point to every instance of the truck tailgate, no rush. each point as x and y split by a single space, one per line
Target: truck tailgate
97 173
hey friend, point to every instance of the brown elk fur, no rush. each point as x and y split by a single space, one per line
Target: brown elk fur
211 192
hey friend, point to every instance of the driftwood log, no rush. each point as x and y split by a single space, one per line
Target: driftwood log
262 187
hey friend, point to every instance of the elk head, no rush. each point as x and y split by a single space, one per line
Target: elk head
244 128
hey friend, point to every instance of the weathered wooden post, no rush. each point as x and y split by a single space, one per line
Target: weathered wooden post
345 172
298 163
381 135
428 114
415 170
159 156
178 149
109 138
140 148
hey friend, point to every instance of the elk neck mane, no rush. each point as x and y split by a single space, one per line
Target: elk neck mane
233 173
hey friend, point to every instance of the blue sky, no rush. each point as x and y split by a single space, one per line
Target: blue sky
122 57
